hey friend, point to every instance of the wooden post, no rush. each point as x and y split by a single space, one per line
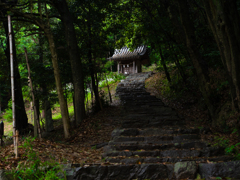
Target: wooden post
31 105
133 67
110 61
12 86
1 132
109 93
87 103
17 135
118 66
36 119
91 92
0 102
137 66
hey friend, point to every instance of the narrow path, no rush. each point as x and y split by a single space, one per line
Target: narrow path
153 143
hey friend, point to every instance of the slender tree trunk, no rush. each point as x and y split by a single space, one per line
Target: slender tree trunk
47 112
91 93
109 92
75 60
87 103
180 69
91 67
21 116
163 62
99 99
37 129
0 101
94 87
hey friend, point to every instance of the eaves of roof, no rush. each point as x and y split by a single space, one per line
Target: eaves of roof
125 53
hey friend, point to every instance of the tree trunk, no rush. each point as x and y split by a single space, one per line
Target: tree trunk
109 92
180 69
47 112
62 101
0 102
75 60
198 61
92 72
99 99
48 116
223 19
94 87
37 129
163 62
47 31
21 116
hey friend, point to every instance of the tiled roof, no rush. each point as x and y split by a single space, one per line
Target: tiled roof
125 53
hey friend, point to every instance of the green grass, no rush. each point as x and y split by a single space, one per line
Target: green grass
58 115
8 115
153 67
112 78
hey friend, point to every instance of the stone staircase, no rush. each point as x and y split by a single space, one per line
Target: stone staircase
154 143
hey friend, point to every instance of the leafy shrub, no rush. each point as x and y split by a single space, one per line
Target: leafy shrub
8 113
229 149
112 77
34 168
152 67
233 150
220 141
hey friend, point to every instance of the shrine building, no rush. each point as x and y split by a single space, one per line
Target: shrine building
130 62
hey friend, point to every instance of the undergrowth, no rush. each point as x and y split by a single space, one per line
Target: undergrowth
8 112
232 150
112 77
33 168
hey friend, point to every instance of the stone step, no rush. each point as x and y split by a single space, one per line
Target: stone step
159 171
124 172
153 102
134 93
148 101
148 123
137 98
186 143
137 160
177 142
164 137
182 153
153 131
139 117
146 146
156 110
142 96
224 169
127 90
